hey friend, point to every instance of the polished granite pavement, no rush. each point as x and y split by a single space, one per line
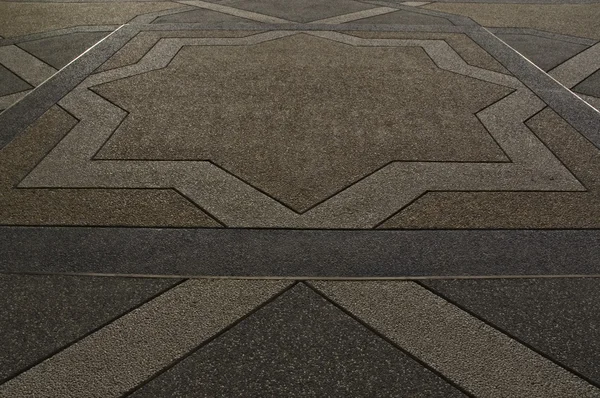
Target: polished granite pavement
299 198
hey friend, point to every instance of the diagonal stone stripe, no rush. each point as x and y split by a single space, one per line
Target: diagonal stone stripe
474 355
363 204
28 67
353 16
234 11
125 353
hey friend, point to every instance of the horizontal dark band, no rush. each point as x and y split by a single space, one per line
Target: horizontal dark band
299 253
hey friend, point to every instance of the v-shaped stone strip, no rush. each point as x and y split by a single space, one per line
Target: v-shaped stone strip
130 350
471 353
361 205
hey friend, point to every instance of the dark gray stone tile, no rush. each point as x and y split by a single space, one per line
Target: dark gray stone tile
40 314
298 11
317 253
590 86
198 16
405 18
542 51
60 50
299 345
559 317
11 83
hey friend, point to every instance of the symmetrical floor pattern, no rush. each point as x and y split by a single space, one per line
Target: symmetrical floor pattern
299 198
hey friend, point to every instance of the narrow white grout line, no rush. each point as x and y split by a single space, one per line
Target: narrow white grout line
579 67
594 101
61 69
29 68
543 71
96 44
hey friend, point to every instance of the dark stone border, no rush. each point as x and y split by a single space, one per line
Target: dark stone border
299 253
569 106
20 115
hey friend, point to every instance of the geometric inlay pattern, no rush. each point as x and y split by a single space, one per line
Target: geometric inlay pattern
306 123
360 205
132 131
295 335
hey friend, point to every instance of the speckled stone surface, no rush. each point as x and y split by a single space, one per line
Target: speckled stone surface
29 68
544 52
299 253
474 355
135 49
309 117
298 11
40 314
273 117
60 50
300 345
472 53
119 356
23 18
590 86
558 316
79 206
570 19
11 83
520 209
405 18
198 16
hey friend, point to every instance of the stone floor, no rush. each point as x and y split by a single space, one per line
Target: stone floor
299 198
